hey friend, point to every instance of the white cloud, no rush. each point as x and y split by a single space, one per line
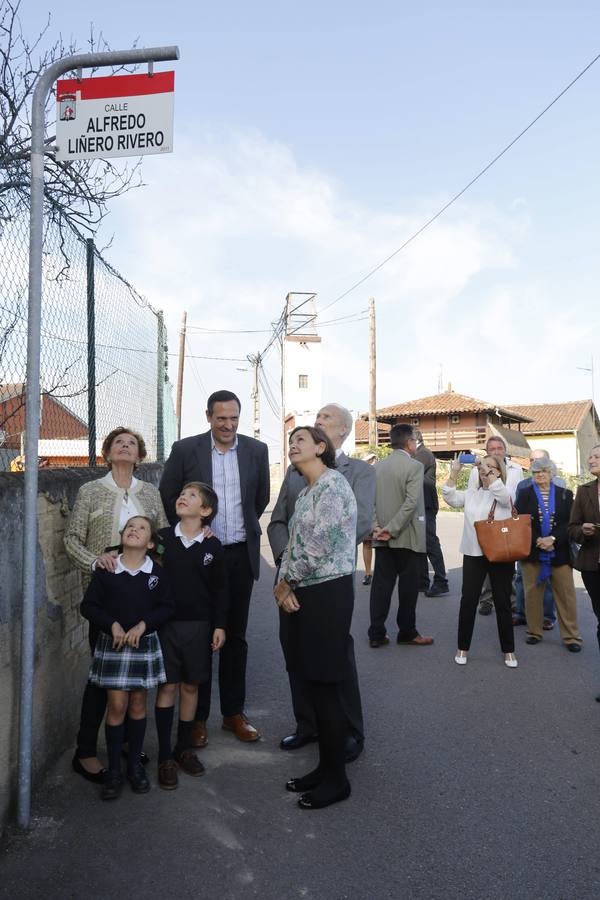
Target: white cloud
231 223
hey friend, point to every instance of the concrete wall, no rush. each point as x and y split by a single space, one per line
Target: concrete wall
61 646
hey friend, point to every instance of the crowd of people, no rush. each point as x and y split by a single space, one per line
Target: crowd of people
168 575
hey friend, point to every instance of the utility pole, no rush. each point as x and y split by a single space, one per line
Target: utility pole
372 376
180 373
256 362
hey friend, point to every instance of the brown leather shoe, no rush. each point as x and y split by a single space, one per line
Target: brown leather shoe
199 735
241 727
189 763
418 641
167 775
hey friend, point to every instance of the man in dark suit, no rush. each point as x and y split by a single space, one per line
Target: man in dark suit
237 468
336 422
432 505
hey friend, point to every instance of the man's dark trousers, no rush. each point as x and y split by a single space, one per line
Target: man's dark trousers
234 653
393 563
434 553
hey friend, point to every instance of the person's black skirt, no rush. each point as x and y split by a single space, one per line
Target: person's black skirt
317 649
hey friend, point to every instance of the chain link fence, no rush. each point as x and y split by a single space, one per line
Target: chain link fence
103 352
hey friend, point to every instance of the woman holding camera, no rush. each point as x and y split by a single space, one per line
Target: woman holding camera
477 501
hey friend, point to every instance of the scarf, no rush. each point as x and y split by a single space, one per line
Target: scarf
547 512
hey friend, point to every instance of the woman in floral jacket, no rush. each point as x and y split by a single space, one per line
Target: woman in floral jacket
317 590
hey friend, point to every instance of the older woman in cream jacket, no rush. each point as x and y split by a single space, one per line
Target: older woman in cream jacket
101 510
477 501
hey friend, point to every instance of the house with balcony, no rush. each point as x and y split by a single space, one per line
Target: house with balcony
452 422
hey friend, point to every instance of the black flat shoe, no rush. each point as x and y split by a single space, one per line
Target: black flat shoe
312 800
531 639
112 786
295 741
306 783
573 648
138 781
94 777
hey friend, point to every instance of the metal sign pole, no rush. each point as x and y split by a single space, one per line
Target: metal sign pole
32 393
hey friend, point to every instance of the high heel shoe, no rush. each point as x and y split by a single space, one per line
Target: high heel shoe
94 777
461 658
510 660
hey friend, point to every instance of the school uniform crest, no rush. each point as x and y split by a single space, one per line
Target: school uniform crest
208 558
152 582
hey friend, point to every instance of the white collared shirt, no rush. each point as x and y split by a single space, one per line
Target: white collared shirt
129 507
228 524
145 567
186 541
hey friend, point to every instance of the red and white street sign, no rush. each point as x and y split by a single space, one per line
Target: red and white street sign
117 115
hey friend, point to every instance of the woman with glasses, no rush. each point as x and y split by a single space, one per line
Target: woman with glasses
550 559
477 501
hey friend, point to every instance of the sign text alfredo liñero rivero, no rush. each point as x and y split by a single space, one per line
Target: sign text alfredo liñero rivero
118 115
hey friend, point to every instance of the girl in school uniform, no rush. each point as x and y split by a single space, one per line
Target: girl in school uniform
128 606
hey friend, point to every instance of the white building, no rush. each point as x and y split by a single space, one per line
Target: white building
302 365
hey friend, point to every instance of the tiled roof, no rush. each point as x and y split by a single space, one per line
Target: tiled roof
361 430
554 418
445 404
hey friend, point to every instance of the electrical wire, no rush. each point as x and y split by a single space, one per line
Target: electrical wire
460 193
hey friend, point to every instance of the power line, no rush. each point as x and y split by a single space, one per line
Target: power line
464 189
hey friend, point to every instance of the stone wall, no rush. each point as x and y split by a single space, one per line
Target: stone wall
61 646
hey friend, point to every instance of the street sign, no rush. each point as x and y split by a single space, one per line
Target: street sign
118 115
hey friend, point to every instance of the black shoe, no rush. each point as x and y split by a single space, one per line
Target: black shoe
144 758
367 579
295 741
532 639
573 648
112 786
379 642
598 699
305 783
94 777
319 798
437 590
485 608
138 780
352 749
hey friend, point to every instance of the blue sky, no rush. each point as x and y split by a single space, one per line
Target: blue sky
312 139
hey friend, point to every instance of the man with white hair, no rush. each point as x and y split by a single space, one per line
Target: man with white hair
337 422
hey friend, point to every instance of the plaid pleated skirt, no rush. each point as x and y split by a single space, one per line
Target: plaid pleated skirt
128 669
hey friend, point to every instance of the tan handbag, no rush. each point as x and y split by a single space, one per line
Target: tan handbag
505 540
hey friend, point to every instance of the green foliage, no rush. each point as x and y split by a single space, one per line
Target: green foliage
380 452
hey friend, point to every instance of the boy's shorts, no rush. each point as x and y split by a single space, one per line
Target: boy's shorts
186 651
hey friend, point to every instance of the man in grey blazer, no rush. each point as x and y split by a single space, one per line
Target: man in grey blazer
237 468
399 539
336 422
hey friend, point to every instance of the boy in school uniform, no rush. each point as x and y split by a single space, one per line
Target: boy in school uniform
194 561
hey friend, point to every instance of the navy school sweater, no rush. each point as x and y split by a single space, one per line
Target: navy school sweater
127 599
198 579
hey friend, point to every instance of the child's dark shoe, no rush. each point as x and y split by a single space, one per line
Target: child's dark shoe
138 780
167 775
189 763
112 786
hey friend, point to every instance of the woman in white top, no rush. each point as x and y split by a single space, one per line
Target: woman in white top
477 502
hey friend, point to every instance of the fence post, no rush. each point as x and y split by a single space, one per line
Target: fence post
91 351
160 388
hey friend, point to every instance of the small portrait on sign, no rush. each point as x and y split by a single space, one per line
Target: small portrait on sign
67 108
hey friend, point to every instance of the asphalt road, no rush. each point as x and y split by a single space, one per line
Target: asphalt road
476 782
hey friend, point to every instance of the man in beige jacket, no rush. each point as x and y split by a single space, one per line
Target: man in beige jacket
398 538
